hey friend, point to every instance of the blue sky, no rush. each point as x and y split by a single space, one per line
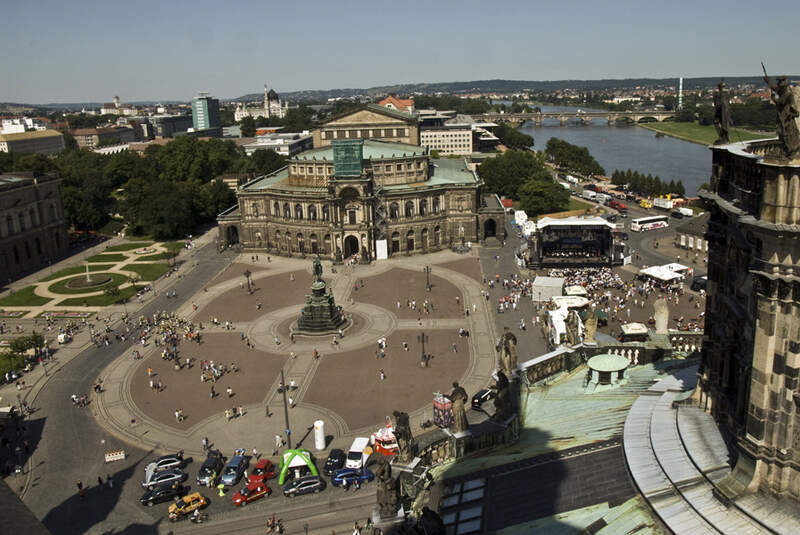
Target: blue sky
82 50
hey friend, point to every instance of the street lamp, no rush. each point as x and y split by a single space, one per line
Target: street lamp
422 338
427 271
286 411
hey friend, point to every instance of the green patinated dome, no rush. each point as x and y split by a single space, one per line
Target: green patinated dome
608 363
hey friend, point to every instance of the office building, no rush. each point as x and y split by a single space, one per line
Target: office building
205 112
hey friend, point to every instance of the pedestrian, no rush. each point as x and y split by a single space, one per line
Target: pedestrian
100 482
109 481
229 390
205 443
455 348
382 374
291 402
213 394
149 371
255 454
277 445
79 484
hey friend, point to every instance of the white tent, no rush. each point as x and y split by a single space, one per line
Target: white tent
575 290
677 268
569 301
661 273
546 287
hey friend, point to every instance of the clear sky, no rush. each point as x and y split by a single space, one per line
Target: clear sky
86 50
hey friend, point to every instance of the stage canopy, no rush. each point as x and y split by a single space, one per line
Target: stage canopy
677 268
574 222
661 273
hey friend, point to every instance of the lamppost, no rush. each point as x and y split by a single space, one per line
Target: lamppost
422 338
286 411
247 275
427 271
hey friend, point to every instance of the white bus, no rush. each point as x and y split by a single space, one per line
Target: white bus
649 223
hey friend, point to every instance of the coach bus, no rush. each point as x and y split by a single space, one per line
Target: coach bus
649 223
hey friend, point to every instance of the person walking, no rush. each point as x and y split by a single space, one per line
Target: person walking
109 481
213 393
382 374
205 443
79 484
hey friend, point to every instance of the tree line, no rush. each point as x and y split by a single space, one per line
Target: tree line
513 138
650 186
572 157
754 113
523 175
164 193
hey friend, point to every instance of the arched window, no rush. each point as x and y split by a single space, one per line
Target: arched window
287 211
437 236
32 215
22 223
58 240
16 255
51 211
312 213
394 211
436 205
314 243
38 246
10 225
27 250
409 209
276 209
423 207
298 211
326 212
254 208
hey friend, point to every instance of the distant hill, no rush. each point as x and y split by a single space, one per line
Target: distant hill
505 86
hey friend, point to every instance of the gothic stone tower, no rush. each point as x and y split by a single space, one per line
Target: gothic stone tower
748 378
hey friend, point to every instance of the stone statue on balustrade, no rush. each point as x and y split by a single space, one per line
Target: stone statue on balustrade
317 269
459 398
503 404
404 437
722 114
387 489
787 99
507 346
590 327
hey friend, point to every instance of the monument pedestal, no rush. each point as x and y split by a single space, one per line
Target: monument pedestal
320 314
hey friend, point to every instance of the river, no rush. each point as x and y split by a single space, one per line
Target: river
629 147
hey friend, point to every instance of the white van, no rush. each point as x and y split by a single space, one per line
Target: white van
356 457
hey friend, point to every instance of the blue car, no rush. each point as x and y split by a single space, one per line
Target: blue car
349 476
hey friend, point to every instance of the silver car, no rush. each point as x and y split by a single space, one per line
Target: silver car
153 478
233 470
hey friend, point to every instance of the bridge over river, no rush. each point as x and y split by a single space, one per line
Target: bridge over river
584 116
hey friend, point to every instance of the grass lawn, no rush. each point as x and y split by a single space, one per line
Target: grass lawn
151 257
74 270
24 297
147 272
130 246
60 287
174 246
697 133
107 258
100 300
577 204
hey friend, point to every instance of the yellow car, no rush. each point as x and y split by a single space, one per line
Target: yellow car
186 505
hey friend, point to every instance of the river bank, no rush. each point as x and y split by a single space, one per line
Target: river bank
700 134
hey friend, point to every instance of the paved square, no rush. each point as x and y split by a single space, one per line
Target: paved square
403 285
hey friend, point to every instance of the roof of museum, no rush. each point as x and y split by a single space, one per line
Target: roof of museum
266 181
31 134
445 172
373 150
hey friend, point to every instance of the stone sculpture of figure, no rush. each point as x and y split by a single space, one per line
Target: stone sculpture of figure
459 398
590 326
662 316
508 352
387 495
787 99
573 337
503 407
722 114
404 437
317 269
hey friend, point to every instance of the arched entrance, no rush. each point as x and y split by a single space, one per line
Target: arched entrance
410 241
395 242
232 235
350 246
489 228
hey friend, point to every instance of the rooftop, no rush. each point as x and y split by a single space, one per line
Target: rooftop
32 134
373 150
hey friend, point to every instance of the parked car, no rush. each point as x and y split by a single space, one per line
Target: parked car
304 485
211 469
482 396
263 470
162 493
233 470
676 215
349 476
334 462
186 505
173 460
251 493
699 283
154 479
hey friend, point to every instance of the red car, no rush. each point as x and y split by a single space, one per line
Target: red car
263 470
250 493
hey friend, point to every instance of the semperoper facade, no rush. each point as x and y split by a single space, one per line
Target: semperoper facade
367 188
751 351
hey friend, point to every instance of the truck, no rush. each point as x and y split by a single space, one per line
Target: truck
646 203
616 205
664 204
688 212
589 195
571 179
602 198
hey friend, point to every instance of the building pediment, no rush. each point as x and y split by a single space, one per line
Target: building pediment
368 116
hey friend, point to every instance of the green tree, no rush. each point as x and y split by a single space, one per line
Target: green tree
513 138
538 197
248 126
506 173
